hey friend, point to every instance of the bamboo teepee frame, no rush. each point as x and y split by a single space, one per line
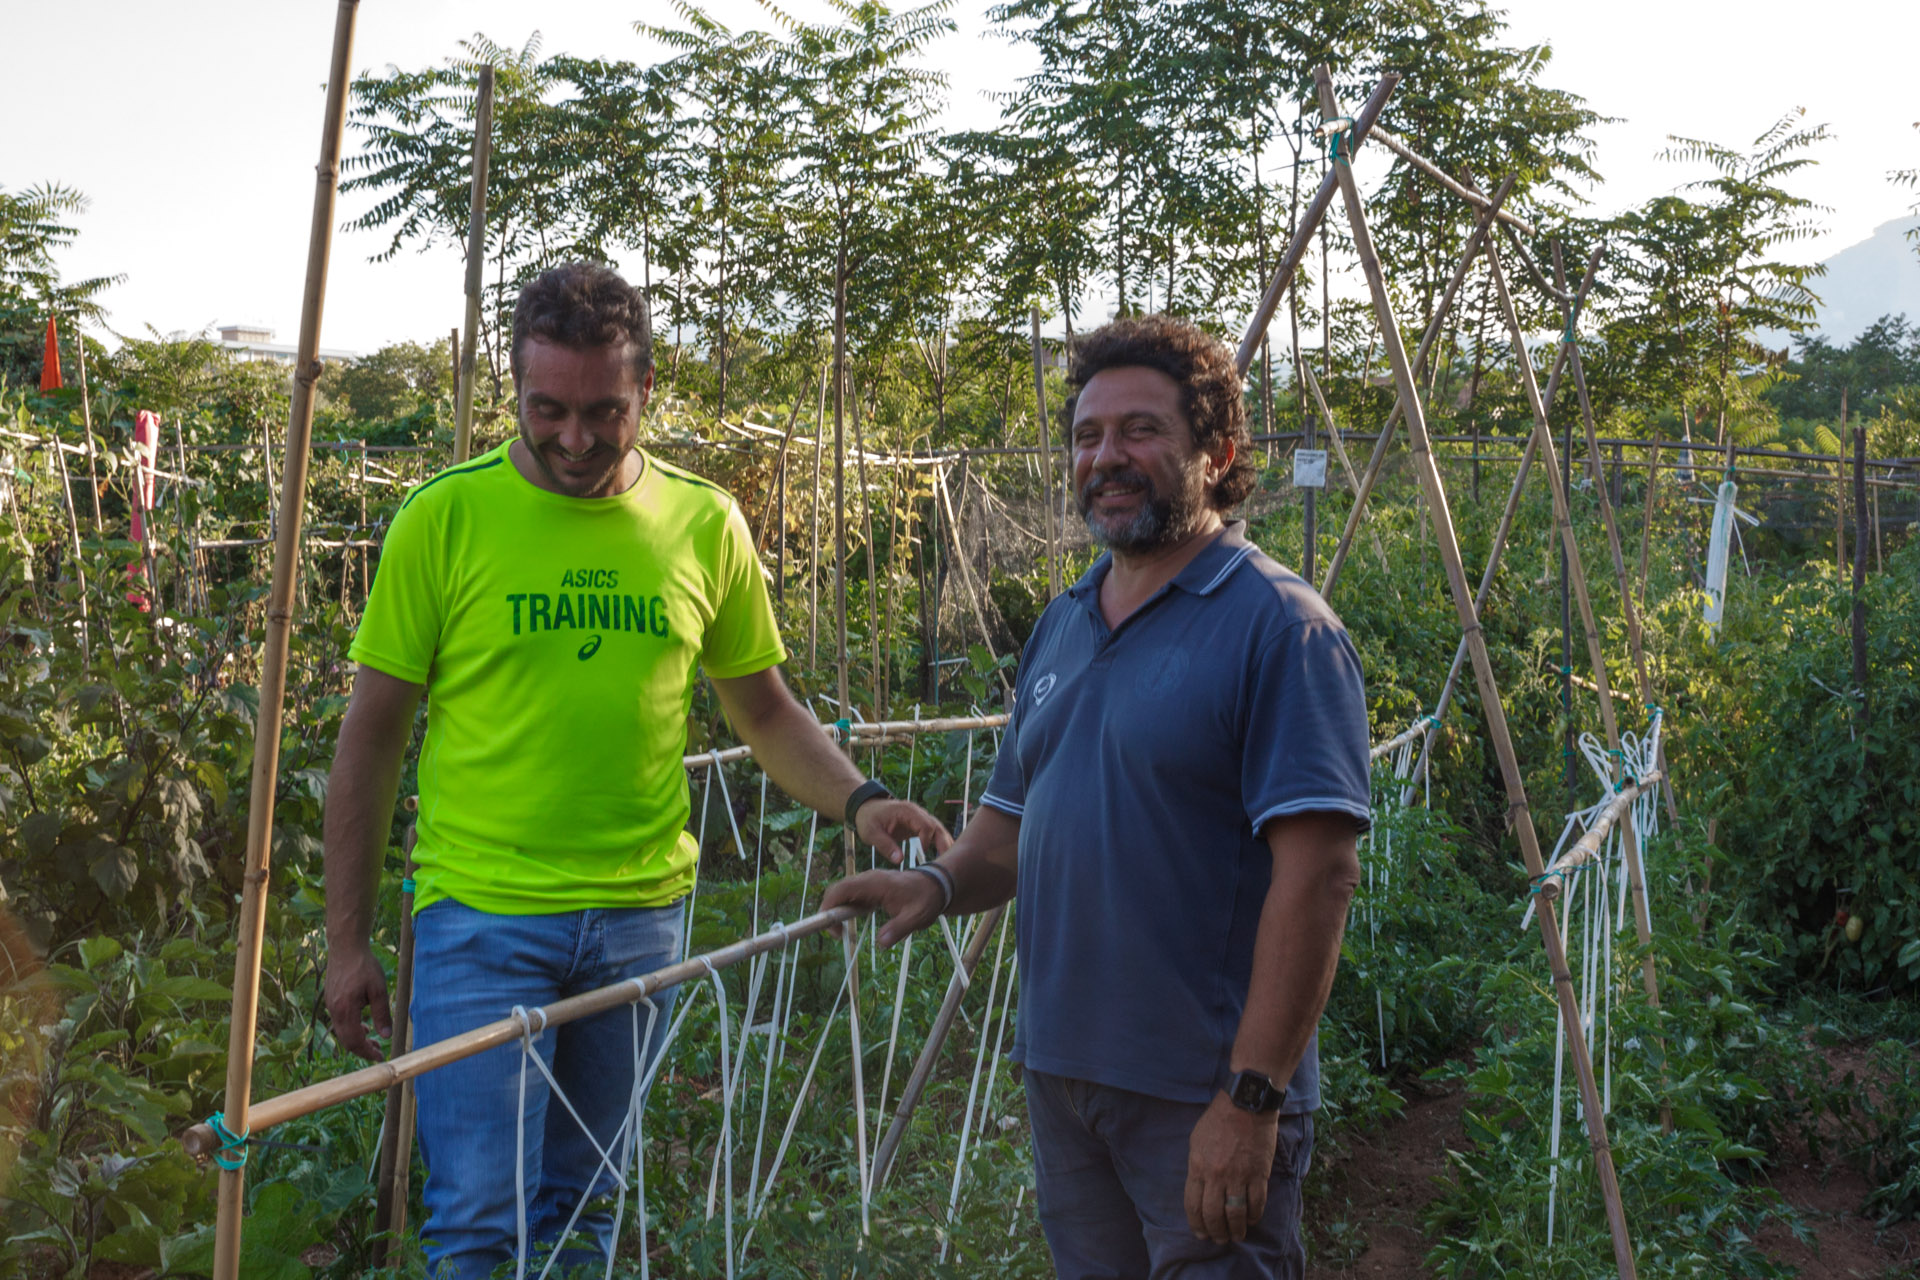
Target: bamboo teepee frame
251 931
1414 415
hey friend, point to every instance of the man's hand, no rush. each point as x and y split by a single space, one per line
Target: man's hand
1229 1159
356 981
887 823
910 900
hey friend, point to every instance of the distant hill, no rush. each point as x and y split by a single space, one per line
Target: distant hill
1879 276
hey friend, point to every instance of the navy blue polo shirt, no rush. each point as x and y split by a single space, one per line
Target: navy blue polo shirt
1143 761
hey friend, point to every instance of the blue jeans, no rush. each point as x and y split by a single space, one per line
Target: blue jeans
1110 1178
472 968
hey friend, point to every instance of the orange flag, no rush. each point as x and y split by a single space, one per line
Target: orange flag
50 363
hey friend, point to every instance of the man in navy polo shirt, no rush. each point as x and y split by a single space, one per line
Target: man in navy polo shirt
1176 806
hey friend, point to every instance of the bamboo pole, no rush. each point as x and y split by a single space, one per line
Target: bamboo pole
1475 242
923 1065
86 421
1859 619
1629 609
1562 511
1303 231
251 930
396 1131
79 564
813 512
200 1140
1439 175
1401 739
1646 519
840 530
1500 537
1518 808
476 261
873 582
1587 848
1577 579
1046 458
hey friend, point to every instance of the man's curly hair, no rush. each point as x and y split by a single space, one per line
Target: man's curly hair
1211 393
583 304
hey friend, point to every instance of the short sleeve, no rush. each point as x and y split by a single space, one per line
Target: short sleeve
400 631
1007 787
1306 718
743 637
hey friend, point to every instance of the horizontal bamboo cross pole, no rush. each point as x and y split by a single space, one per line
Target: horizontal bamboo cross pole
881 731
1405 736
1587 848
200 1141
1439 175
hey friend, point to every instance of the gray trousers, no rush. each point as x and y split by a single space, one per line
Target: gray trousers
1110 1171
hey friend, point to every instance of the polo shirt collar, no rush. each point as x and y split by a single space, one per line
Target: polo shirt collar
1203 575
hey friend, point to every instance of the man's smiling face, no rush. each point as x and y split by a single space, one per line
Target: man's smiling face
1140 481
580 415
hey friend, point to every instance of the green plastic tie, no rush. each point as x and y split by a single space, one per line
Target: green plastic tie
844 727
1335 151
406 886
1539 882
229 1141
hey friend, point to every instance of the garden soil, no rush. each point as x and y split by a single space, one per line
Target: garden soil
1379 1185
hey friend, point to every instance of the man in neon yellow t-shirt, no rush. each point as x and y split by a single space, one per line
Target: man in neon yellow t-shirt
554 598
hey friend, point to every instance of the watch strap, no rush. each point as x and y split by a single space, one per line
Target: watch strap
871 789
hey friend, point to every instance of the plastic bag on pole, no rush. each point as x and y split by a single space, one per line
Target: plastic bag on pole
1718 549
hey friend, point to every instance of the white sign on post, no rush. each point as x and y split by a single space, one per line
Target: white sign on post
1309 468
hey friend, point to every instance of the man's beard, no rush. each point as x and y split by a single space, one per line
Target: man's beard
607 461
1162 520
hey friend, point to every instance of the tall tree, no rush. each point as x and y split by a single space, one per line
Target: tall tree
416 130
35 224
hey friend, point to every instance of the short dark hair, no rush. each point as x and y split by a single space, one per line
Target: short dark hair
583 304
1211 393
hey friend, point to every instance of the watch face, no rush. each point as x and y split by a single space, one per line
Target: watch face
1254 1092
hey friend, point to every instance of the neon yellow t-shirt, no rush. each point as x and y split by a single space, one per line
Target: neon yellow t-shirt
557 638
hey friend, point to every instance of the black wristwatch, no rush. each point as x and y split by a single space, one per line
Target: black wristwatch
1253 1091
871 789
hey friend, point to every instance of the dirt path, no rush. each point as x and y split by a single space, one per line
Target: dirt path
1367 1222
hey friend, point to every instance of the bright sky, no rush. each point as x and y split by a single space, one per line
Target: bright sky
195 130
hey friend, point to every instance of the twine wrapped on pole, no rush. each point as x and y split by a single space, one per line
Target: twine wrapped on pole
1518 808
251 928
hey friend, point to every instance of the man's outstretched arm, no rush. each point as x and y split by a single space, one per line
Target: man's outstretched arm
805 763
359 817
983 865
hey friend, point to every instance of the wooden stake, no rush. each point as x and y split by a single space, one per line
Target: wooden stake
1429 474
1646 520
394 1165
251 928
813 553
86 420
1357 512
873 568
1046 459
923 1065
79 564
847 837
476 262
